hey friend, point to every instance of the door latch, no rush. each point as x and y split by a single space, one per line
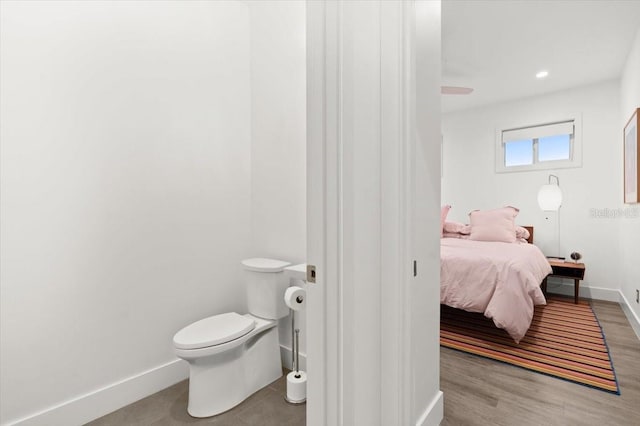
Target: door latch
311 273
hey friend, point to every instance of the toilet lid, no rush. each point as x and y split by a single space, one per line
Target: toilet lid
258 264
213 331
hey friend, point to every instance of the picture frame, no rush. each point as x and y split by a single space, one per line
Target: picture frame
632 159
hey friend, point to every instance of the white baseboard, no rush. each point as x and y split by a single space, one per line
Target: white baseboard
631 315
285 355
597 293
434 413
95 404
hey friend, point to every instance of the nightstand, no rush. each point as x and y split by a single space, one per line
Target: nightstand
574 271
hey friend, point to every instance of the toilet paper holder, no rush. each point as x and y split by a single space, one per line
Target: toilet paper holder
294 298
295 364
296 379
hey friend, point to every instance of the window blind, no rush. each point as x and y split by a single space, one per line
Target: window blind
536 132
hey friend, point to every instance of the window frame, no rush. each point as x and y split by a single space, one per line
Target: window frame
575 147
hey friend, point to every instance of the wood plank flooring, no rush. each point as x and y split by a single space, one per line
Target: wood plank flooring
266 407
483 392
477 391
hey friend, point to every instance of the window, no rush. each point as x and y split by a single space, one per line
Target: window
543 146
518 153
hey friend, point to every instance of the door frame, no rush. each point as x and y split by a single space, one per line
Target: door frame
332 156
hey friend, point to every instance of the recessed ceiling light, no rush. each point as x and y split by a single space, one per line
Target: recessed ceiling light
542 74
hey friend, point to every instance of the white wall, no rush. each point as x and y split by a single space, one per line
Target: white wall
278 130
278 139
125 188
470 181
630 224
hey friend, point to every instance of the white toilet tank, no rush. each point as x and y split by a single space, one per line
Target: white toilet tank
266 284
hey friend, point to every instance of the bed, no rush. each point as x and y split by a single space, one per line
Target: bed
499 279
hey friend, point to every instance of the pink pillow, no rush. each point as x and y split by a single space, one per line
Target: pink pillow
444 211
494 225
455 235
457 227
522 233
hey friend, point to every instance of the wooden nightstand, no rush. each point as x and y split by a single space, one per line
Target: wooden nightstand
574 271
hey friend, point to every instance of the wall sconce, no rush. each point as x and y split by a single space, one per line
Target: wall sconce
550 196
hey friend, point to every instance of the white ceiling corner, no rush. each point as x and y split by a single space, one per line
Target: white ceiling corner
497 46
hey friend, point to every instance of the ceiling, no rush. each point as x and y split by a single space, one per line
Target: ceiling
497 46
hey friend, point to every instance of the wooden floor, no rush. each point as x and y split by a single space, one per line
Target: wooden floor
479 391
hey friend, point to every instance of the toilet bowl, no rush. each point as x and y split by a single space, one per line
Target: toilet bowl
231 356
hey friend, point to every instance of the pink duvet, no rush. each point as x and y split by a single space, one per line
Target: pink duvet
501 280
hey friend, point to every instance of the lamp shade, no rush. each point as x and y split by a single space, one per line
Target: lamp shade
550 197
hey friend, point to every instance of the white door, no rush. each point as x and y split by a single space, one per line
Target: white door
373 167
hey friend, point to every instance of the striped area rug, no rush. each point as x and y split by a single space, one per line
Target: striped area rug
565 340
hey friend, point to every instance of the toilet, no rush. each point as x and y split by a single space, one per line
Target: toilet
231 356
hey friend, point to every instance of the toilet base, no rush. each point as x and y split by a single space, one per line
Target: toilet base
219 382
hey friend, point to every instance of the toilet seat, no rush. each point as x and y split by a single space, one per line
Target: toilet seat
213 331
